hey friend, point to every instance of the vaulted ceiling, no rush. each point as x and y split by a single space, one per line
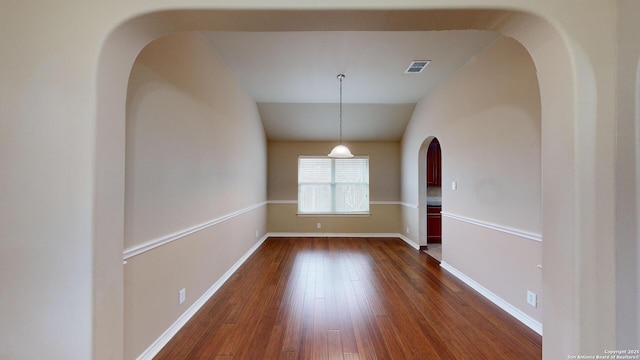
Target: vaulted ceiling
293 77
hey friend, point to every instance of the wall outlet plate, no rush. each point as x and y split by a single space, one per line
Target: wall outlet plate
182 295
532 298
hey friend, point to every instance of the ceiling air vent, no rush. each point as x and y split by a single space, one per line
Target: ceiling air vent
417 66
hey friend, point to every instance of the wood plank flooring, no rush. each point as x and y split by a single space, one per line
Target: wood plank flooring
348 298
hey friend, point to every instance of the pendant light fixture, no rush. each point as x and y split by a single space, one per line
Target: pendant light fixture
340 151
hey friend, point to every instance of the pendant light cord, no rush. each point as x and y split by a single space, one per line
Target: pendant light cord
341 76
340 151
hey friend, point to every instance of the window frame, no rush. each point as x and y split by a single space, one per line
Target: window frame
333 184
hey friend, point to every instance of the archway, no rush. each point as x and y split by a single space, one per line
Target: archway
564 222
422 191
430 197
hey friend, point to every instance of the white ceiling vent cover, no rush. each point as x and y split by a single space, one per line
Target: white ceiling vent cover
417 66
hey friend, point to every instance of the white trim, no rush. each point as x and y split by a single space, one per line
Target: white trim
160 342
379 235
512 310
382 202
504 229
367 214
318 234
412 206
150 245
362 214
372 202
409 241
282 201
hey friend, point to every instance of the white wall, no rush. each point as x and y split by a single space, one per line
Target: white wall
488 121
195 153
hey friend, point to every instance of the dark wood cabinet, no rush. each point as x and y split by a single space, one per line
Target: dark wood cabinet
434 164
434 224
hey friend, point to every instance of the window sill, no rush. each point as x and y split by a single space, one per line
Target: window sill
367 214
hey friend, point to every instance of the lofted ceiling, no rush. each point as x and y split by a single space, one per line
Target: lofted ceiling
293 77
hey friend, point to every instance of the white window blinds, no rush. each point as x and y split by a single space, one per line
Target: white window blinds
333 186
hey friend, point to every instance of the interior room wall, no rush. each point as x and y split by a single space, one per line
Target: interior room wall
628 179
488 121
384 189
195 155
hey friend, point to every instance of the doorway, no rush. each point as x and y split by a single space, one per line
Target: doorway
434 199
120 48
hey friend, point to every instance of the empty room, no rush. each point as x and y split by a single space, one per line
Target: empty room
217 179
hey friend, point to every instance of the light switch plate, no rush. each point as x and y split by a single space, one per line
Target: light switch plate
454 185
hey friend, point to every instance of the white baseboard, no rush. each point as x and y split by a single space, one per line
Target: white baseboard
409 241
390 235
157 345
512 310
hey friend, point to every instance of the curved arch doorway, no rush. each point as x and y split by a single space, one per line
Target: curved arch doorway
558 73
431 197
434 199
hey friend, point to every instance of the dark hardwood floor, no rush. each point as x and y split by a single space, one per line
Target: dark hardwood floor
348 298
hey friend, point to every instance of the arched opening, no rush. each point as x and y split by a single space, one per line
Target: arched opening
430 194
434 199
562 221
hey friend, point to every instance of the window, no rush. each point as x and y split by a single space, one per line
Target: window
333 186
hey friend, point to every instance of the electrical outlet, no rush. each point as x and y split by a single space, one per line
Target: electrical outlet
532 298
318 225
257 233
182 295
407 230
